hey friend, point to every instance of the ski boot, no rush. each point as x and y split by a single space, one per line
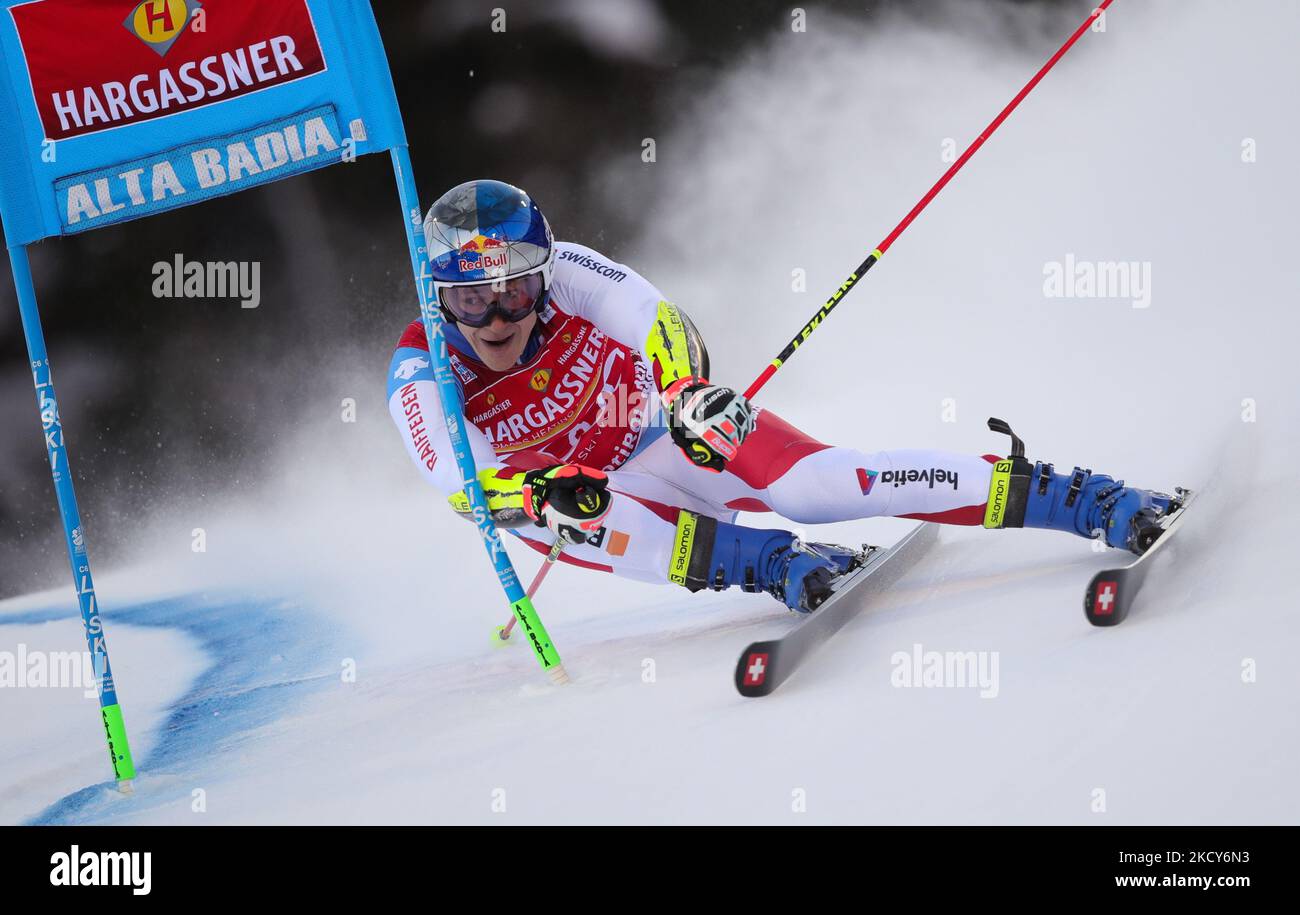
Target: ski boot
714 554
1084 503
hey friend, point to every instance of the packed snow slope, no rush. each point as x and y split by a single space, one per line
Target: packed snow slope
327 659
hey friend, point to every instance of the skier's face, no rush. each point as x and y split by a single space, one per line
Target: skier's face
502 342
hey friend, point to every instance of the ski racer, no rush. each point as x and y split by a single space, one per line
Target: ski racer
592 418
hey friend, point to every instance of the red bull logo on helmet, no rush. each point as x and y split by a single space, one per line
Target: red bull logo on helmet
481 243
473 254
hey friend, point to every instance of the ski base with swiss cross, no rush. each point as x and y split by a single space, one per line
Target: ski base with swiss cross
1111 592
764 666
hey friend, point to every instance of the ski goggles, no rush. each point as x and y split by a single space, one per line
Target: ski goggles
478 303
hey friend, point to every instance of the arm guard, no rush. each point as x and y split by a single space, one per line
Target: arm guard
675 348
504 489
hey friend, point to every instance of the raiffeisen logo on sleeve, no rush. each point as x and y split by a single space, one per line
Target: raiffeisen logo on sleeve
101 64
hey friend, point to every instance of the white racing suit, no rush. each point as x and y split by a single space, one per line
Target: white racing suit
586 390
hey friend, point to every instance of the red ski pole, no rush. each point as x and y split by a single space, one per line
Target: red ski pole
503 632
881 248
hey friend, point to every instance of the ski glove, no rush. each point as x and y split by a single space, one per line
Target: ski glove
707 421
569 499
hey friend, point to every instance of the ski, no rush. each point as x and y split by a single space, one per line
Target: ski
764 666
1111 592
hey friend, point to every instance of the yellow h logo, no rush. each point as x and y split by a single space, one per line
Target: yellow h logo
158 23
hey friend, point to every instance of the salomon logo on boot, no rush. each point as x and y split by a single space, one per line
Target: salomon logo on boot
708 553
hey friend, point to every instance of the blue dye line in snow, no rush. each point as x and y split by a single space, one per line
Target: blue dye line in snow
265 656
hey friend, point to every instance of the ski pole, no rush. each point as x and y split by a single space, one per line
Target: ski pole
881 248
503 632
520 603
119 750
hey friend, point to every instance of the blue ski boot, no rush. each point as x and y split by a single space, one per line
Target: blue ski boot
1084 503
709 553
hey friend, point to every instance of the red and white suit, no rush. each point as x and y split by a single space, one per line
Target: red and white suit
586 391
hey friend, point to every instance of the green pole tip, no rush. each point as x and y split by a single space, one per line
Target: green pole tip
119 750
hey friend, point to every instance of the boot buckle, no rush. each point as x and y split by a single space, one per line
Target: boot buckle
1076 485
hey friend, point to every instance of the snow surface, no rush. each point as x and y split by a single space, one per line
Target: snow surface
50 753
231 663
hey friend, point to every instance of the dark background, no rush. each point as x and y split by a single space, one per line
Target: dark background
159 395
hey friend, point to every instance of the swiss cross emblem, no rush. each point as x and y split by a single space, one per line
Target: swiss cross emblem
1104 603
756 669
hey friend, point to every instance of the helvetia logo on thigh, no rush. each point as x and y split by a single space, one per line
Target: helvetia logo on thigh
866 480
929 477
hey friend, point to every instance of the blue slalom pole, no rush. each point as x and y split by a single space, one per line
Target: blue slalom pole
521 604
119 749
